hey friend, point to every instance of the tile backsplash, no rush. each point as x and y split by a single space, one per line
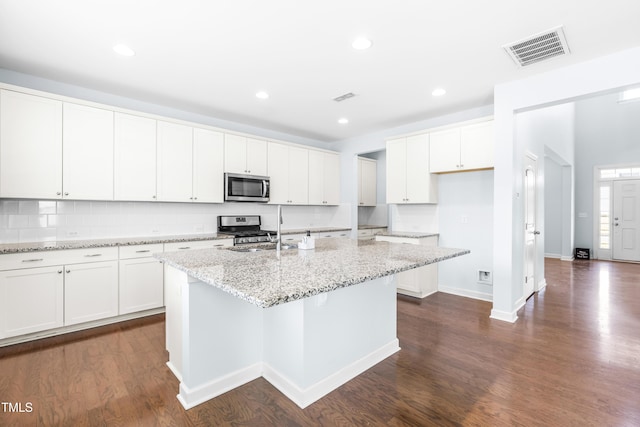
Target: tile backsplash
47 220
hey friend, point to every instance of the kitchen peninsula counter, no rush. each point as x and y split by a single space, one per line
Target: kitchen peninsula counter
305 320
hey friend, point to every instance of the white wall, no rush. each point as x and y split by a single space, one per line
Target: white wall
603 74
552 209
466 221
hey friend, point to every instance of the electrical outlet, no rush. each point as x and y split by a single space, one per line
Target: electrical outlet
485 277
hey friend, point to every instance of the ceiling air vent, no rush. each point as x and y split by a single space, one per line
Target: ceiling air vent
344 97
539 47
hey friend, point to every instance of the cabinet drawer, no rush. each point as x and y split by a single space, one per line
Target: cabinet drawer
197 244
140 251
50 258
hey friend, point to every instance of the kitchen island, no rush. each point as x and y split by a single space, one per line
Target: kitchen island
305 320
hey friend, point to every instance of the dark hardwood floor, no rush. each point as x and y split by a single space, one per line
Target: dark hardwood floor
572 359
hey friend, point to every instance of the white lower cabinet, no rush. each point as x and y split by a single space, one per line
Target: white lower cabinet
141 277
90 291
31 300
419 282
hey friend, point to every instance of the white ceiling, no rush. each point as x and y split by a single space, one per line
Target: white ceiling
211 57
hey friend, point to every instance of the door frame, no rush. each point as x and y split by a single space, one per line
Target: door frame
598 182
530 157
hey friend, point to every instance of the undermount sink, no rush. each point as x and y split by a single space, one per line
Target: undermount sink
265 247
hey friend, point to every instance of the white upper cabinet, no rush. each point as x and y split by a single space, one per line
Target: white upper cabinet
30 146
208 166
367 182
135 158
409 179
289 174
190 164
175 162
245 155
87 152
324 178
462 148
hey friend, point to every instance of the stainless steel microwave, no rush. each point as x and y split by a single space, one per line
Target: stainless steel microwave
246 188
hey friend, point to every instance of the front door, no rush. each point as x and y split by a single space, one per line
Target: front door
626 220
530 232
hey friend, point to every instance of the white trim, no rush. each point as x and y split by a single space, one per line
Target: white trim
542 284
482 296
190 397
567 258
554 256
605 254
79 327
415 294
174 370
504 316
305 397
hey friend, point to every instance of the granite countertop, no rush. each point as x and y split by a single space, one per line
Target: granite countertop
263 279
409 234
8 248
370 227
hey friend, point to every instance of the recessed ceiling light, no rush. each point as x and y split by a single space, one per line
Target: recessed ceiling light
361 43
123 50
262 95
438 92
343 121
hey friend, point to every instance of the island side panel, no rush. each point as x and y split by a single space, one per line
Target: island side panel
314 345
221 342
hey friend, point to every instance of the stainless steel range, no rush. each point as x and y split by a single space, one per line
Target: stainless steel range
244 229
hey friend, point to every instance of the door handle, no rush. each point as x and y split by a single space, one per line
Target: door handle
536 232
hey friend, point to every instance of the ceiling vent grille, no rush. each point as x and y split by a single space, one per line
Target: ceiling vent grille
344 97
539 47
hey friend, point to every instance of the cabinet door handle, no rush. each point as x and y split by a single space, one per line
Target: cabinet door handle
68 271
141 252
66 193
59 271
58 193
185 247
92 255
32 260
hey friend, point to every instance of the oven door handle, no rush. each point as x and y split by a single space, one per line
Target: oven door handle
265 188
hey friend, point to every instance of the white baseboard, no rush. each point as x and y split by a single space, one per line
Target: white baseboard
174 371
555 256
483 296
567 258
542 284
190 397
504 316
415 294
306 397
79 327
